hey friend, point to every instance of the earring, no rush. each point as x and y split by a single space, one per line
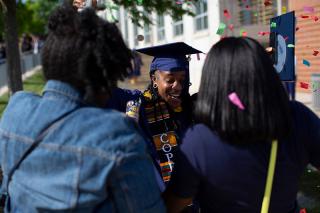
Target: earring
155 86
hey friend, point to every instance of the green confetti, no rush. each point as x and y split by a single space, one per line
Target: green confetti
114 7
255 14
290 45
273 24
139 2
221 28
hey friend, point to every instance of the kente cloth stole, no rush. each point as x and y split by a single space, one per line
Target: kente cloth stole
162 129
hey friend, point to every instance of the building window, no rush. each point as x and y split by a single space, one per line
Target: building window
147 33
201 18
135 34
256 12
160 28
178 27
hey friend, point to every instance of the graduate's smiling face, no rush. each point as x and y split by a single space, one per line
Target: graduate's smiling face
170 86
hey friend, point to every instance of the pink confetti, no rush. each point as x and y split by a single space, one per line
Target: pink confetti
226 14
286 38
315 18
263 33
233 97
230 26
247 7
244 34
303 210
308 9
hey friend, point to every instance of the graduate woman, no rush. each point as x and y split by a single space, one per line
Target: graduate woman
164 109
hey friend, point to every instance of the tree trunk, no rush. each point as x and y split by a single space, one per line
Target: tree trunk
12 46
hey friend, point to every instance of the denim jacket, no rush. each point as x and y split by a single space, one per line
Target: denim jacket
95 161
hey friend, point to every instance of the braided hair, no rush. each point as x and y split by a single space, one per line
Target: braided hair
85 51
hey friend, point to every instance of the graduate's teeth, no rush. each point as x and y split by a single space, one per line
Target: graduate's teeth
176 96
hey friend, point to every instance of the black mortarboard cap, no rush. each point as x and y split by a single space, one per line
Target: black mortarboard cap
169 57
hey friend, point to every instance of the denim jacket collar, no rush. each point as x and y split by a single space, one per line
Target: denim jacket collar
62 89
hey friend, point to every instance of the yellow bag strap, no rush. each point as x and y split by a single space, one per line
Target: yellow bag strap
272 165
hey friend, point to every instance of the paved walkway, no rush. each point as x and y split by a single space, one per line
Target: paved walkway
4 89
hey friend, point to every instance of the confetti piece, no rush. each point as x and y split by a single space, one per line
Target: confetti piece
290 45
263 33
226 14
306 62
267 3
303 210
255 14
315 87
315 18
247 7
284 10
303 16
269 49
315 52
304 85
286 38
139 2
179 2
273 24
308 9
230 26
233 97
243 33
297 28
221 28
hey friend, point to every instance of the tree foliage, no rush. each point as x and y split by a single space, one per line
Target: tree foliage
139 10
32 15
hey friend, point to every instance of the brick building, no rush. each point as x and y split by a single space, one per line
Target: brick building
307 40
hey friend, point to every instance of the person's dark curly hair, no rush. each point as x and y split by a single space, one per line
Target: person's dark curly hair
84 51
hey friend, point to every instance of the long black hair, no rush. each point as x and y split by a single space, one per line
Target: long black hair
242 65
84 51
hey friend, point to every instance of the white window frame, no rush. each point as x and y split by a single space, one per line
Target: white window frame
161 33
147 33
203 16
135 34
177 25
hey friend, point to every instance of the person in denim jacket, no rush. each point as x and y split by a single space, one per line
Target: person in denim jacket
86 158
